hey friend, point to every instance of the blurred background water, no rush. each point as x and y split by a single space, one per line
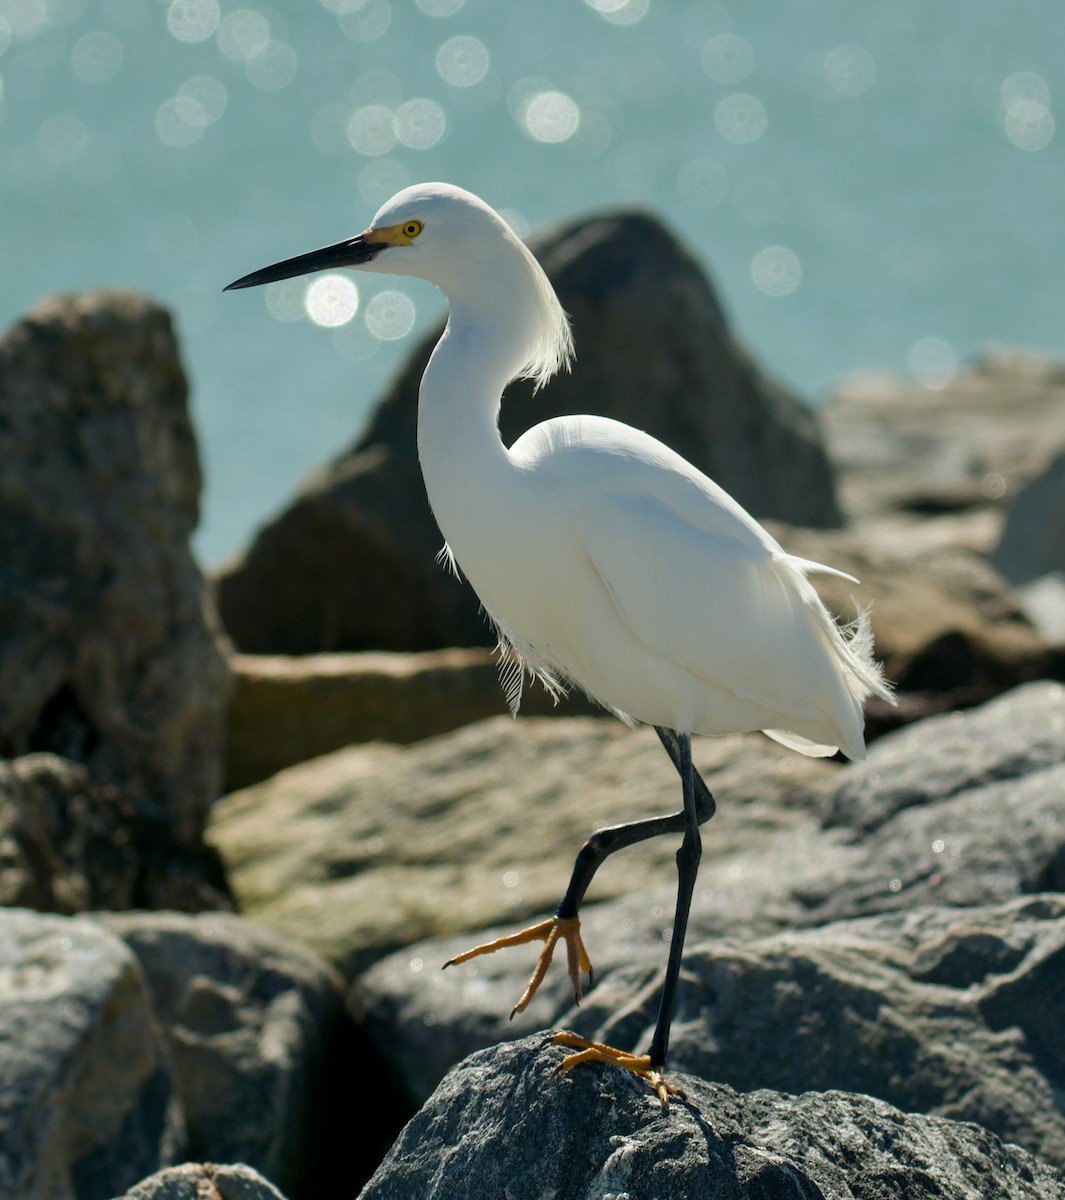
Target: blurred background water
871 185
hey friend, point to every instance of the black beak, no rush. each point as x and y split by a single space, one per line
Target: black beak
351 253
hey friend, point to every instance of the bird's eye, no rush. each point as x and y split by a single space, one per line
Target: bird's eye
412 229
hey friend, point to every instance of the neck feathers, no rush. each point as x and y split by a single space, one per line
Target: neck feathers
513 318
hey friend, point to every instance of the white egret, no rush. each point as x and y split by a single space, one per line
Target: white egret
604 559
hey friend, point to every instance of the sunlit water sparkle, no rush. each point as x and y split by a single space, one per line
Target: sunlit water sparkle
870 185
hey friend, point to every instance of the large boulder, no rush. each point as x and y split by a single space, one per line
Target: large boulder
69 844
933 455
504 1124
131 1041
377 846
87 1105
259 1046
350 564
113 654
945 843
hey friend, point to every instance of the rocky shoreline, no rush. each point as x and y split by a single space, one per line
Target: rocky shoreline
234 853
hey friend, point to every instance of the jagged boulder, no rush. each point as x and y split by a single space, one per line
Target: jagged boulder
87 1105
504 1124
113 654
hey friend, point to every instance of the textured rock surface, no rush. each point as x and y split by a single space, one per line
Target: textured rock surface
87 1106
376 846
256 1036
113 655
204 1181
68 844
906 450
956 811
351 563
504 1124
933 1010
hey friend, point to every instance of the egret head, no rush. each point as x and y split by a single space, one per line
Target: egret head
451 238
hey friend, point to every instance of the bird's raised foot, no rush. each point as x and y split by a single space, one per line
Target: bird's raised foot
568 929
638 1064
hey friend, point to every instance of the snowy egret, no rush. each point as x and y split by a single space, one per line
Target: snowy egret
604 559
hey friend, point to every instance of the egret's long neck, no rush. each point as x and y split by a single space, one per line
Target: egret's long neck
464 463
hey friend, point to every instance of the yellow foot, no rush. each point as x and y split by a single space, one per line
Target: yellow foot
549 932
638 1064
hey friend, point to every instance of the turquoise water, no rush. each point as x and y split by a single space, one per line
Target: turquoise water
871 185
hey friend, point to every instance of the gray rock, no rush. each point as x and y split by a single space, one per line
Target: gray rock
1033 538
69 844
374 847
775 957
87 1105
503 1124
350 564
255 1028
113 656
204 1181
958 809
928 454
933 1010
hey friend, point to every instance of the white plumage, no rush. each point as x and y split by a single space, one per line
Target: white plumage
604 559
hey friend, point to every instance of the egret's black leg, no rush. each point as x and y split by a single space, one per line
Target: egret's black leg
605 842
650 1066
688 856
699 806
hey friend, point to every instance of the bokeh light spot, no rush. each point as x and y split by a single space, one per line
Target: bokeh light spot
180 121
390 315
551 117
620 12
740 118
331 300
273 67
1029 125
1024 85
366 21
284 299
462 61
243 33
419 124
849 70
209 93
192 20
372 129
1025 107
96 57
776 271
